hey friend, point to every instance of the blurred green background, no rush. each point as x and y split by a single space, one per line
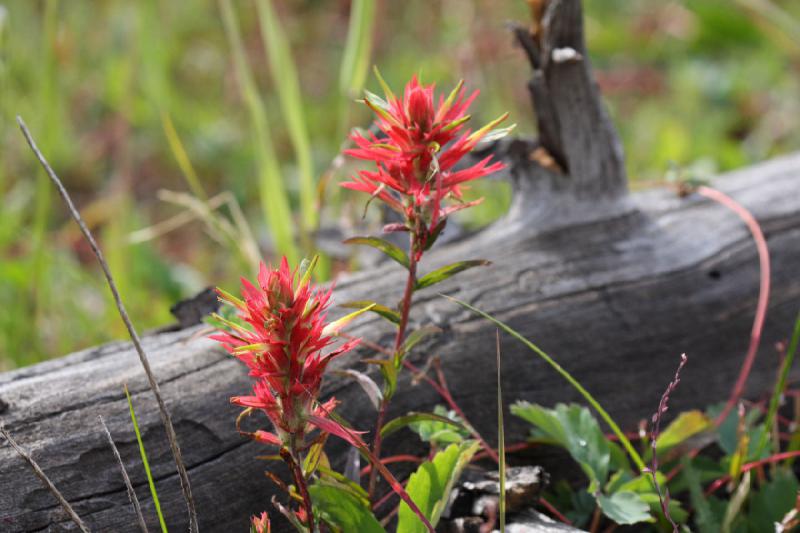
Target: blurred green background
150 110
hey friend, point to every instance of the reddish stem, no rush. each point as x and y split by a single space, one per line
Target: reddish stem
444 392
778 457
405 307
393 459
553 511
763 294
290 457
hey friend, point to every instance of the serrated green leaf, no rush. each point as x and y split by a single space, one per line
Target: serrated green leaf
389 314
341 509
624 507
430 486
706 519
416 418
384 246
441 274
775 498
575 429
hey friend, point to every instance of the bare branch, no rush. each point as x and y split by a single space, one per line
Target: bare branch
131 493
137 343
49 484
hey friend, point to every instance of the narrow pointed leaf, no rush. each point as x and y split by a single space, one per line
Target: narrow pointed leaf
145 463
367 384
417 336
334 327
441 274
414 418
389 372
386 247
389 314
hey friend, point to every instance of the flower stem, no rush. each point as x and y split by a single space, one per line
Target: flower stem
405 307
290 456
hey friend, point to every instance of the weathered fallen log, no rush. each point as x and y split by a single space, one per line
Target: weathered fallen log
614 286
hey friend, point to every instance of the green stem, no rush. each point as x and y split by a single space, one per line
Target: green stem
626 443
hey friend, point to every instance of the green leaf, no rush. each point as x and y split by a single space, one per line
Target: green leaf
412 419
495 135
688 424
624 507
735 503
706 519
343 510
370 388
439 433
771 503
416 336
441 274
389 373
575 429
384 246
430 486
145 463
389 314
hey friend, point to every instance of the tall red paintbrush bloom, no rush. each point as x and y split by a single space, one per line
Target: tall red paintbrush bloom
284 349
416 150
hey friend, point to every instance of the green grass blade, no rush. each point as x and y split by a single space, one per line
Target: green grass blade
145 463
501 442
780 387
284 76
358 48
626 443
274 199
181 157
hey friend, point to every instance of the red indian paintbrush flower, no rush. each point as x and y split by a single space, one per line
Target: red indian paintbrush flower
416 150
260 524
283 348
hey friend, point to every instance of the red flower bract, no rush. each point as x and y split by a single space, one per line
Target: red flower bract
415 153
283 347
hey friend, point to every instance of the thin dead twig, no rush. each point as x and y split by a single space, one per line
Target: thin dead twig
46 480
137 343
131 493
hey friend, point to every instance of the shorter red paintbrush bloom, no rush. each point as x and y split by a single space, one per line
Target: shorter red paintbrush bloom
419 144
283 347
260 524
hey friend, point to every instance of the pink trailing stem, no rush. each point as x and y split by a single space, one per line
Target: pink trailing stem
763 293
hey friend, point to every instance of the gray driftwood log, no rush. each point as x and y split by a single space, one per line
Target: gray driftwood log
614 285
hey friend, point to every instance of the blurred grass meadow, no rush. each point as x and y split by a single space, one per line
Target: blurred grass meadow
199 136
